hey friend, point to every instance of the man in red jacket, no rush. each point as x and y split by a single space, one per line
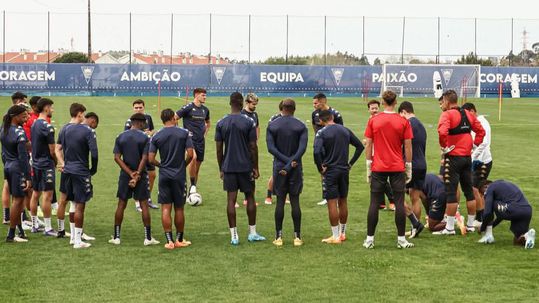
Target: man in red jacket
456 142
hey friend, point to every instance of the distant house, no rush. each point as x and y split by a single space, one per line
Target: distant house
107 58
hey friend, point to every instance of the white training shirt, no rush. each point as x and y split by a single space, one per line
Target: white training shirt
482 152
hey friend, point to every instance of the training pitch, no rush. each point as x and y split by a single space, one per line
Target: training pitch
438 269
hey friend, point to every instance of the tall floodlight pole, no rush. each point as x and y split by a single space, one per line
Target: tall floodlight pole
89 34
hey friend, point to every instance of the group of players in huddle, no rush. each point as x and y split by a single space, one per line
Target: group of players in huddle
30 156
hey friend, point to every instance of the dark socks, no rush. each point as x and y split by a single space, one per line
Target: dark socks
11 233
179 236
278 234
148 232
117 231
413 220
6 214
168 236
296 213
479 215
268 195
193 182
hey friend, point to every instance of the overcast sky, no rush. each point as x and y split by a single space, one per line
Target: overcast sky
151 23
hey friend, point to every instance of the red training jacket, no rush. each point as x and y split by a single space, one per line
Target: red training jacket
463 142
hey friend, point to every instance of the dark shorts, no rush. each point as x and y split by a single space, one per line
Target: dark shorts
379 181
79 188
44 179
291 184
150 167
520 219
63 188
458 169
199 147
335 184
418 178
481 171
16 182
140 192
172 191
437 207
243 182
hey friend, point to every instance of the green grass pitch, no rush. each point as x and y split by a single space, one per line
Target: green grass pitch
436 270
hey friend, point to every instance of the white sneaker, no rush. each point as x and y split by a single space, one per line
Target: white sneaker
404 244
444 232
470 229
115 241
40 222
477 224
486 239
18 239
530 239
82 245
85 237
26 225
368 244
192 189
150 242
322 203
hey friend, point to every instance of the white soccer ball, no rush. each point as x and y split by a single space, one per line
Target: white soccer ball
194 199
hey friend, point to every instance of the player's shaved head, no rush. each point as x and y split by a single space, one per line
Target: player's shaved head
138 120
289 106
236 100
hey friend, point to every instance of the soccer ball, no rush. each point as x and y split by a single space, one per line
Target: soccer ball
194 199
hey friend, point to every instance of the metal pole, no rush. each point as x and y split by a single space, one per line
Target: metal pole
4 35
171 35
402 46
209 55
475 37
512 43
363 37
325 41
130 37
286 56
249 46
48 37
438 55
89 34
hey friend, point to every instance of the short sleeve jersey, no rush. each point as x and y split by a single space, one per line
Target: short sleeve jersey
194 119
43 135
132 144
388 132
236 131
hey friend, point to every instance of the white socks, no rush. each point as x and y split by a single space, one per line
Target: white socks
72 231
335 231
252 229
48 224
450 223
471 219
370 239
234 233
78 236
401 239
488 232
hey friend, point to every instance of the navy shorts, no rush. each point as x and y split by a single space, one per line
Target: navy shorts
140 192
44 179
244 182
16 182
437 207
150 167
79 188
481 171
458 169
520 218
291 184
172 191
335 184
418 178
199 147
63 188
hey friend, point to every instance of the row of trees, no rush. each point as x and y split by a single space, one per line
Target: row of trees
524 58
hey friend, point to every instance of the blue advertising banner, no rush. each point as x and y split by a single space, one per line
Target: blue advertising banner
135 78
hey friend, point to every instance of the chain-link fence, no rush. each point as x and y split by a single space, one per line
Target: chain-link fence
254 38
